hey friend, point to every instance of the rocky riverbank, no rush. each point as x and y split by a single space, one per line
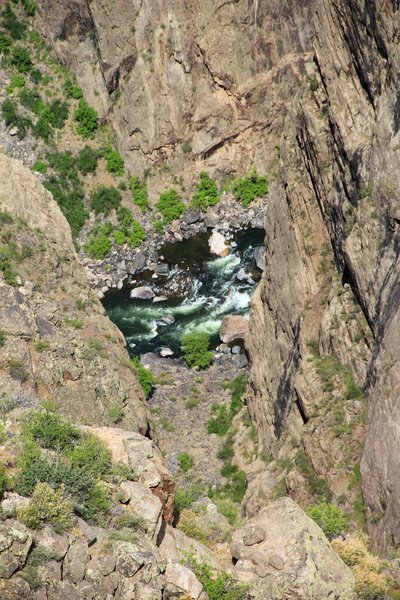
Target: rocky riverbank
115 270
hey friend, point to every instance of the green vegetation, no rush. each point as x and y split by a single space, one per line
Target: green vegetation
3 479
77 463
319 487
30 7
185 462
86 119
206 195
115 163
170 206
21 59
17 370
246 189
103 199
185 497
39 167
3 338
98 246
67 188
47 506
137 235
13 118
87 160
145 376
195 350
139 194
329 517
8 255
10 22
222 415
116 412
72 91
218 586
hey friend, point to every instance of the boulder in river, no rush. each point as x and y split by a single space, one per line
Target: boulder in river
159 299
218 244
233 327
142 293
161 269
164 352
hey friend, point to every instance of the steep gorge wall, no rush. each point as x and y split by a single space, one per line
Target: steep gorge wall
339 168
308 92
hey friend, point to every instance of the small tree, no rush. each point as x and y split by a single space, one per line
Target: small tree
195 350
115 163
139 193
47 506
329 517
87 119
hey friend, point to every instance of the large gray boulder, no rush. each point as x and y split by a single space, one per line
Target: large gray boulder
233 327
142 293
284 545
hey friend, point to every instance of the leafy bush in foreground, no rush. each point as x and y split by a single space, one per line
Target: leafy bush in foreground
145 376
195 350
98 246
115 163
47 506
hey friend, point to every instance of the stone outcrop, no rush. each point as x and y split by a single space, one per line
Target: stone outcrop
217 244
233 327
59 344
287 549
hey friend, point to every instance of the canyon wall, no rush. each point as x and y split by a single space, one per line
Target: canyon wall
306 91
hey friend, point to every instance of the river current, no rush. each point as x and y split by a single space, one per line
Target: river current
201 288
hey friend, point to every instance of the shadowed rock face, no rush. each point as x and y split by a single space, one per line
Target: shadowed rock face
59 344
187 82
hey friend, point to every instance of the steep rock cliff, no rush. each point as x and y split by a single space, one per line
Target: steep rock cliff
338 184
58 343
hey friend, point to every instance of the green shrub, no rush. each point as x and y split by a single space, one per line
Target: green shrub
116 412
185 498
207 194
30 7
139 193
21 59
11 23
119 237
125 217
32 100
86 119
220 421
92 455
185 462
137 235
72 91
122 186
145 376
170 206
158 225
13 118
217 585
87 160
248 188
47 506
3 338
17 81
39 167
195 350
5 43
115 163
98 246
57 113
51 431
103 199
329 517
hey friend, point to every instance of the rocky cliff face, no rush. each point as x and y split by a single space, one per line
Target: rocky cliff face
337 190
186 84
57 342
